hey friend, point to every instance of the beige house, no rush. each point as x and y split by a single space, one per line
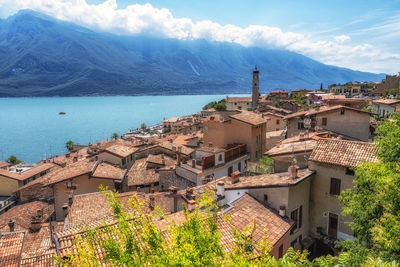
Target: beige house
333 162
350 123
275 121
11 178
383 107
123 156
244 128
234 103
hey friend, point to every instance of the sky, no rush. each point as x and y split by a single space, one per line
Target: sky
361 35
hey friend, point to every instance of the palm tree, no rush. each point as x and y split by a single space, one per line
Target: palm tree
115 136
69 145
143 126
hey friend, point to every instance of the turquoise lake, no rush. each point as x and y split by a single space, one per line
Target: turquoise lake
32 129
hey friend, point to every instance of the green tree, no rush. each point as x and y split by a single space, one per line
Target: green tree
220 105
143 126
374 201
115 136
69 145
13 160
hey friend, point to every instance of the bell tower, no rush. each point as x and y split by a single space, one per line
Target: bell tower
255 86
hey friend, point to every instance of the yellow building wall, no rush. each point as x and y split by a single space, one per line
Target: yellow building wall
7 186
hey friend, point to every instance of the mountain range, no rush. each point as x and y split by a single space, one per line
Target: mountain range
42 56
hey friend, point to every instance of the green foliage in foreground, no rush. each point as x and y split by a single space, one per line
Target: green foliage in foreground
140 239
374 201
220 105
13 160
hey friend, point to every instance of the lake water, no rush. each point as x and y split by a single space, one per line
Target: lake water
32 129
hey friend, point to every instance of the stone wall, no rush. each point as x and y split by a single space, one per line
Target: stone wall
169 178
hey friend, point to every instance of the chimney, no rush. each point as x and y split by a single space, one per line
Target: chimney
193 163
11 224
162 156
210 144
163 161
36 221
340 137
191 205
152 202
173 190
293 169
189 194
235 177
75 159
282 211
221 189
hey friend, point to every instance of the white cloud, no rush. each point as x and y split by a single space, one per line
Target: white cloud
136 19
342 38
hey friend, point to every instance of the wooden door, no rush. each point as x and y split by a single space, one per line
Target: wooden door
333 225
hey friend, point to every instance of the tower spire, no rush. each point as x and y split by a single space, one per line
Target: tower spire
255 88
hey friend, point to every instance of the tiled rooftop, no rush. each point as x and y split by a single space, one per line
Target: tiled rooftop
238 99
344 153
139 174
75 169
294 147
184 150
26 174
10 248
268 180
161 159
249 117
387 101
320 110
21 214
108 170
4 164
121 150
244 212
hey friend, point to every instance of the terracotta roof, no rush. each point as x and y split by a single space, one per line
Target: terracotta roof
242 213
139 174
10 248
387 101
184 139
268 180
273 108
279 92
75 169
4 164
161 159
320 110
26 174
266 114
307 136
343 152
94 207
21 215
108 170
329 97
121 150
238 99
184 150
249 117
274 133
294 147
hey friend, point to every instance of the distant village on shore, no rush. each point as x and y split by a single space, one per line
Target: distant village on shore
279 160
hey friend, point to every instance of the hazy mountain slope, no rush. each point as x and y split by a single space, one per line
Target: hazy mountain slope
41 56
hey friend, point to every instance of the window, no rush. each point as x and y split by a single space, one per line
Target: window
240 167
342 111
293 243
265 198
256 140
123 161
277 121
294 217
220 157
300 125
349 171
324 121
300 216
335 186
300 239
280 251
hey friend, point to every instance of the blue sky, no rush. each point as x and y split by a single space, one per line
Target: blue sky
361 35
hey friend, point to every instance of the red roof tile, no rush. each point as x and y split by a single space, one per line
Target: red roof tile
344 153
